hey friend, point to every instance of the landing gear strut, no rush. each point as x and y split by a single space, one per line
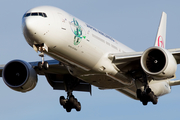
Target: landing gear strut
70 102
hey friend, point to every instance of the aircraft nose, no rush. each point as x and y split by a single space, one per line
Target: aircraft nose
32 30
29 26
36 27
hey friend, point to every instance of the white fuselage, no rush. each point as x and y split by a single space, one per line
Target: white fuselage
81 47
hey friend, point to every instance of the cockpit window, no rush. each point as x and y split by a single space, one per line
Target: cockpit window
41 14
27 14
35 14
44 15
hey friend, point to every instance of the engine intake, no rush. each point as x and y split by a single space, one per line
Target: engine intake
159 63
19 75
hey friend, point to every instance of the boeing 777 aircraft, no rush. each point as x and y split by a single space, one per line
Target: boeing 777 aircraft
85 56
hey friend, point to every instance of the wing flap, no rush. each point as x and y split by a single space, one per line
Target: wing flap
57 81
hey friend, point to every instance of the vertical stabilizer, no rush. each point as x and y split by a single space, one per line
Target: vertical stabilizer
161 34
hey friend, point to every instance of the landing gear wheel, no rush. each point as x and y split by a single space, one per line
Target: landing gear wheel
40 66
147 96
155 101
153 98
62 101
78 107
145 102
71 99
70 103
46 65
68 108
75 102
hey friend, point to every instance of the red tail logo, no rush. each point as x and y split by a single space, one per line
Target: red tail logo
160 42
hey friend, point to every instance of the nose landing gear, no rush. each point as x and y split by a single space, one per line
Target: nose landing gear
43 64
41 48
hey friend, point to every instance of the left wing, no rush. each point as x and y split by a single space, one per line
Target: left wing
126 62
156 61
127 58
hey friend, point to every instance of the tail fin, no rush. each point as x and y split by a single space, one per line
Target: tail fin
161 34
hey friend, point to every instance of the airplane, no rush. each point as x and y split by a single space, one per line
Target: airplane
84 56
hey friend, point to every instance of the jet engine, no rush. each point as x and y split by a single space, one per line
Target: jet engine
19 76
159 63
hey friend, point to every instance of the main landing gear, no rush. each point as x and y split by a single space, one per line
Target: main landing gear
70 102
147 95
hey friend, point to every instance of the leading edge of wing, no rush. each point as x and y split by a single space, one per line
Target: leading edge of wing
55 67
120 58
124 58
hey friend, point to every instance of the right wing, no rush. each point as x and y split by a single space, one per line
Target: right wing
57 76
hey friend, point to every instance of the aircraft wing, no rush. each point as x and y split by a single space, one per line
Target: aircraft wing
120 58
131 60
55 75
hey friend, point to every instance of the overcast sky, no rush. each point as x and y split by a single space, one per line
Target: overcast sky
132 22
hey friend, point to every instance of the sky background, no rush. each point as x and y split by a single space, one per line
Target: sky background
132 22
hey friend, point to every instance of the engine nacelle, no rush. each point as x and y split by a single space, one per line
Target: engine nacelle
19 76
159 63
